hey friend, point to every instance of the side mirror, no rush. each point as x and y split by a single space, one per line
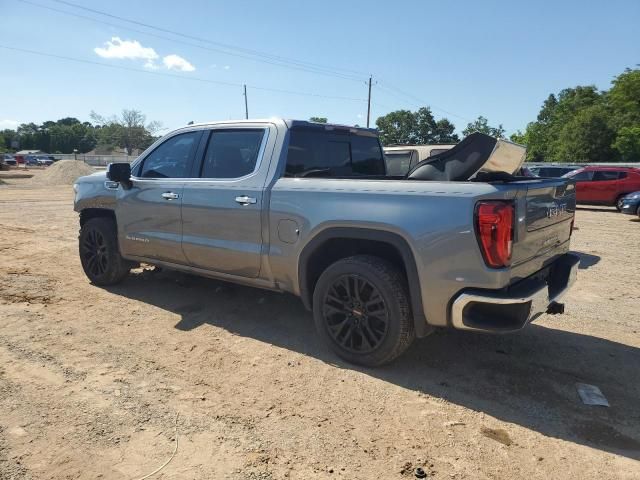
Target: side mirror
119 172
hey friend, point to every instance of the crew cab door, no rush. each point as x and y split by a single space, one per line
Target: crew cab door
222 206
149 213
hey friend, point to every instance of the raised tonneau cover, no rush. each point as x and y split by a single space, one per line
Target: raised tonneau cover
474 154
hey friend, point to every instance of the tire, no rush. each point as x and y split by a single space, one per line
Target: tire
362 311
619 202
99 254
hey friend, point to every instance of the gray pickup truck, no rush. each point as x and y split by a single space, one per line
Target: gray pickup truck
309 209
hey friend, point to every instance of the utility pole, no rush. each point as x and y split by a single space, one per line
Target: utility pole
246 105
369 103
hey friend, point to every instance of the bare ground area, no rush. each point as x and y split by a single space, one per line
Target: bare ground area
95 383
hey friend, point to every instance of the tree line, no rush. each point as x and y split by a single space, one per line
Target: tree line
582 124
579 124
127 132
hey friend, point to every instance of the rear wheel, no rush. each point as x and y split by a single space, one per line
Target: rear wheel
619 203
361 309
99 255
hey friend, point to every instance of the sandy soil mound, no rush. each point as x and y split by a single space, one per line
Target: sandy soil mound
63 172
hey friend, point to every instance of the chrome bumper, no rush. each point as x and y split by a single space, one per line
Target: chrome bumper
512 309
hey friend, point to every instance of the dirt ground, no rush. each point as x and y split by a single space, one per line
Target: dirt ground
102 383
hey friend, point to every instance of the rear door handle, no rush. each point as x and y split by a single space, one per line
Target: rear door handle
245 200
170 196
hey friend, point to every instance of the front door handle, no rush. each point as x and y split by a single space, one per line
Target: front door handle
170 196
245 200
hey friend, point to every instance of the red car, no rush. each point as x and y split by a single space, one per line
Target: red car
605 185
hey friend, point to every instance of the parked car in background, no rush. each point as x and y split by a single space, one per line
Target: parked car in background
9 159
402 158
45 160
605 185
552 171
631 204
31 160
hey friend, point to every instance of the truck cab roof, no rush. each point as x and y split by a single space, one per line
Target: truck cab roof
292 123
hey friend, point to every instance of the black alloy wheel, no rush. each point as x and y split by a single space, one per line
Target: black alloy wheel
94 253
362 310
99 253
355 313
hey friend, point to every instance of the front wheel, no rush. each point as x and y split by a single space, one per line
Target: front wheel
99 255
361 309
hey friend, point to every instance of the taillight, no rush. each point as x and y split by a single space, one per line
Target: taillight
494 227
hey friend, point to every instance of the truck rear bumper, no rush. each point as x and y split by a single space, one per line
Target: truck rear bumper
512 308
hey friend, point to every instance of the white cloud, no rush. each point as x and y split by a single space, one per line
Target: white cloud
129 49
360 115
10 124
227 67
151 65
133 50
176 62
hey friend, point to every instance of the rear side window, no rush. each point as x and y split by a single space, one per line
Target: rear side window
398 164
437 151
339 154
366 156
171 159
604 175
231 153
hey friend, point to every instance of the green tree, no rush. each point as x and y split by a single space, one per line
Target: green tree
627 143
318 119
586 137
420 127
129 131
520 137
585 124
624 99
481 124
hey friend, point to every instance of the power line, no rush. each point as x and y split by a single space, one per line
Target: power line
278 63
249 54
182 77
310 66
421 102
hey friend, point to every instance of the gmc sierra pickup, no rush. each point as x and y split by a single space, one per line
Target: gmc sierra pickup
293 206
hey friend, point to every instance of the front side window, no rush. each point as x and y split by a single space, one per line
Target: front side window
231 153
171 158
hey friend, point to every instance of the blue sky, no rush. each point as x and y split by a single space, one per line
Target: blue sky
499 59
